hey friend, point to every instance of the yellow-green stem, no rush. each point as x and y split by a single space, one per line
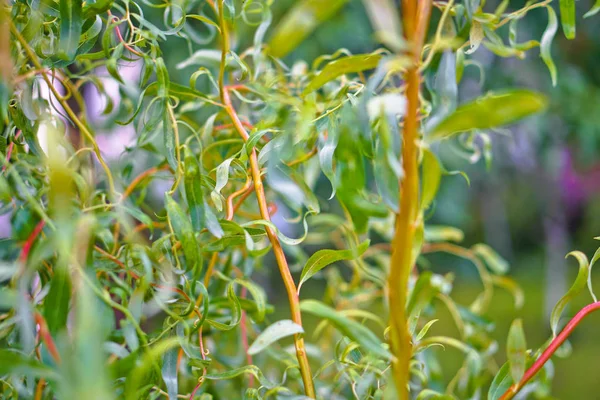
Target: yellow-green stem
415 21
288 280
284 269
80 125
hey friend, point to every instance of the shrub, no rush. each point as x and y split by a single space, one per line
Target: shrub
117 286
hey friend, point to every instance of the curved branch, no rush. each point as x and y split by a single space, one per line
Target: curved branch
550 350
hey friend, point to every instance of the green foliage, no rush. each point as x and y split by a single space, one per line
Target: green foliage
116 286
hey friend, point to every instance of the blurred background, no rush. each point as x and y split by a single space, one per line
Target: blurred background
538 199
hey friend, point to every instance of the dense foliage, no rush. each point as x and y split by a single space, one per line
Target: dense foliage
142 276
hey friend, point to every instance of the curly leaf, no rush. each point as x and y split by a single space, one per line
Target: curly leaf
575 289
594 10
493 260
546 43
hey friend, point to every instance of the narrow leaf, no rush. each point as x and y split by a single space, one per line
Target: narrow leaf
342 66
354 330
574 290
501 383
323 258
516 350
70 28
490 111
432 175
567 17
169 373
273 333
546 43
56 303
595 10
182 228
300 21
493 260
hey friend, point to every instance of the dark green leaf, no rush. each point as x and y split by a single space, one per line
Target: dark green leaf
70 28
56 303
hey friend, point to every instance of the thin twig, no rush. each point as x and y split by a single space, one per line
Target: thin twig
550 350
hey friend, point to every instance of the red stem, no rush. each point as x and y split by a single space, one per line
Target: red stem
9 151
30 240
550 350
46 337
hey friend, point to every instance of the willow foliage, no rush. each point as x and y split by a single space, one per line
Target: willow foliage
137 276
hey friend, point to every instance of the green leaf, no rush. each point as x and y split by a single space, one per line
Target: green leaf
493 260
140 375
194 193
14 363
259 296
177 90
490 111
445 90
168 125
169 373
56 303
236 311
574 290
184 232
323 258
428 394
300 21
354 330
70 28
222 179
425 329
248 369
501 383
98 7
516 350
432 175
342 66
595 258
435 233
567 17
546 43
594 10
273 333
